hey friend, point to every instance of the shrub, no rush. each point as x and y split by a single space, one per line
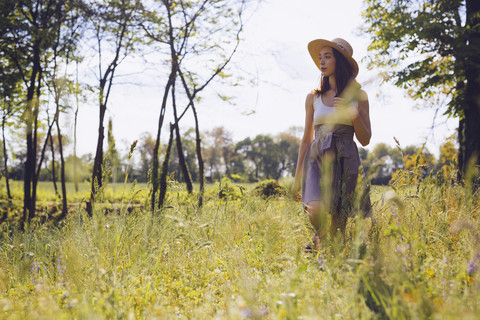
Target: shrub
226 190
269 188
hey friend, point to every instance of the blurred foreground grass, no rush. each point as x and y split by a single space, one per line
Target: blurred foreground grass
242 257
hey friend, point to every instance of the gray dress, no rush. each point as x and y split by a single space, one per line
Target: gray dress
330 171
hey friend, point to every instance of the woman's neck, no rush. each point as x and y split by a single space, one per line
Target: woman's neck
332 83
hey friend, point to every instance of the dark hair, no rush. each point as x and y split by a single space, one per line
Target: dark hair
343 75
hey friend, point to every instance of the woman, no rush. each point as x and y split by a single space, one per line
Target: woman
328 160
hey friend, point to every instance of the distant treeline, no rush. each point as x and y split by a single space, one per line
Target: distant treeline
249 160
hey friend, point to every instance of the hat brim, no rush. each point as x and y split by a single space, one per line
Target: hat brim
315 46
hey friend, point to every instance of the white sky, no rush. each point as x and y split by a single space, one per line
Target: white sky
275 54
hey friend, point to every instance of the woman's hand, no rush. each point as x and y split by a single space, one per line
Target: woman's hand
296 192
347 108
339 102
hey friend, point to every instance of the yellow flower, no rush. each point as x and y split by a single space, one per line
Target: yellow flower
430 273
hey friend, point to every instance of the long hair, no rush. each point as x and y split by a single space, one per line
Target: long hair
343 75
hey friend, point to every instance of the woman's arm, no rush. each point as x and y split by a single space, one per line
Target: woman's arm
306 140
361 120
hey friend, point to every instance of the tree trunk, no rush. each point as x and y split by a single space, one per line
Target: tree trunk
54 177
164 173
198 148
155 164
178 140
33 199
98 162
472 91
29 184
5 159
75 174
29 172
62 169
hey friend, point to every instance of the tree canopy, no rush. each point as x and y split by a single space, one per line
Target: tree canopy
431 48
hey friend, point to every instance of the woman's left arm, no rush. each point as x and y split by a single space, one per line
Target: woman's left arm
361 120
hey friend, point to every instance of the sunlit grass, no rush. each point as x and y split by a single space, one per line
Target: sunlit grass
244 258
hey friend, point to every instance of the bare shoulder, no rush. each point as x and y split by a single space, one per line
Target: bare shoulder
310 96
362 96
309 100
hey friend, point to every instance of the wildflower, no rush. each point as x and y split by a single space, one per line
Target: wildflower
61 267
71 303
472 266
35 266
320 261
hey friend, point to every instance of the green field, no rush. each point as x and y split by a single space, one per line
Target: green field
242 256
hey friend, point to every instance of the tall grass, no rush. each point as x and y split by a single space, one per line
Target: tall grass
243 257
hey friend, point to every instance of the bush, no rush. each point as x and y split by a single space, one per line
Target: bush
226 190
270 188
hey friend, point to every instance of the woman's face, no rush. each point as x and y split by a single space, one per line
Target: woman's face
327 61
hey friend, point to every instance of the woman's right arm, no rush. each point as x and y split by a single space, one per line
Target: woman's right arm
308 133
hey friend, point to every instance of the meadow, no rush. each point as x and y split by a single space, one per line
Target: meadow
241 256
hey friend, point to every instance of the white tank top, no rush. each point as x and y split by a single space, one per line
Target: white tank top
329 115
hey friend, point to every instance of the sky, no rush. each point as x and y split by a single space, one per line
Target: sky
274 56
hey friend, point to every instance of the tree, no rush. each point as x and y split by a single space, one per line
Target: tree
288 146
113 24
447 159
145 148
261 155
383 160
417 165
30 32
431 48
250 157
199 29
268 156
10 91
218 152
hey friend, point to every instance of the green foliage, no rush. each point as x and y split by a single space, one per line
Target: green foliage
244 258
419 47
270 188
431 49
225 190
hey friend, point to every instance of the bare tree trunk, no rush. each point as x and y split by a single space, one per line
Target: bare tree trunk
35 147
5 159
155 165
97 165
62 168
164 173
29 174
198 148
178 140
75 173
54 176
461 149
472 93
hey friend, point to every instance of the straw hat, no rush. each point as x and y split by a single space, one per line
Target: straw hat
339 44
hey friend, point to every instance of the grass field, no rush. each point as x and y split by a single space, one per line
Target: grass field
242 257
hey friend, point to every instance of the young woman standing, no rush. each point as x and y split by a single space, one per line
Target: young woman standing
328 161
